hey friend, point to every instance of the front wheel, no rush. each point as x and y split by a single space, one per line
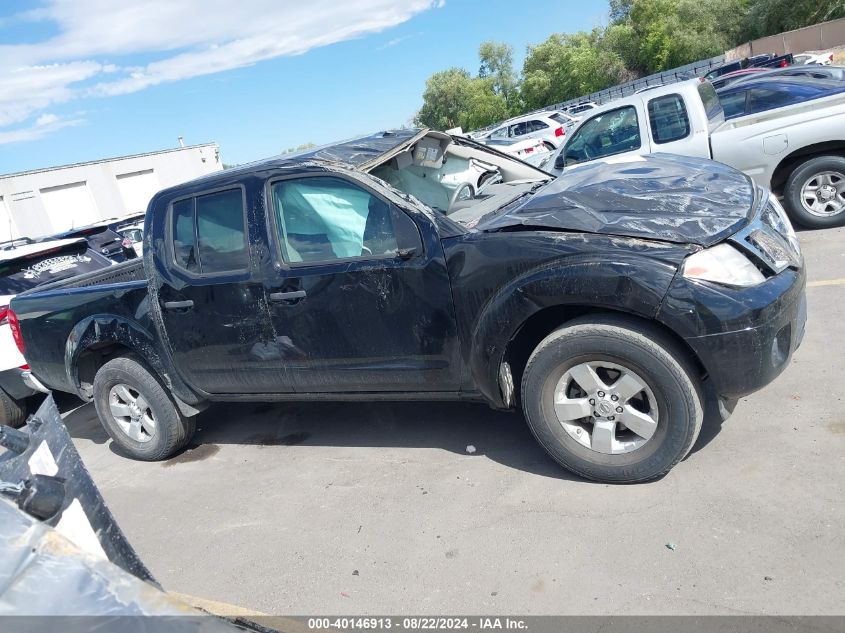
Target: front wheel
611 400
814 194
137 412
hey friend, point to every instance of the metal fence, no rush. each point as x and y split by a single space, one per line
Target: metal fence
696 69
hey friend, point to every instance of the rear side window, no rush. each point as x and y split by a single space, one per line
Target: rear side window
184 235
668 119
209 233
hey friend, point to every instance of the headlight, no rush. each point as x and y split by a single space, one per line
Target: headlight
775 216
722 264
773 247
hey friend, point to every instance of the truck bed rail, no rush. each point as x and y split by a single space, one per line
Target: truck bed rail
131 270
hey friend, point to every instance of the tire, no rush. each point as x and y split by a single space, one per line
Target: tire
671 397
158 431
12 411
830 167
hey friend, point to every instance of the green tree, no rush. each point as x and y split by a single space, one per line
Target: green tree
497 65
768 17
568 66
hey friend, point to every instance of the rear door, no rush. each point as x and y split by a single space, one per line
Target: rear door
215 316
360 296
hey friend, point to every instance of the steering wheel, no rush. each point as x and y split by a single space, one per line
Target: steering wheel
460 194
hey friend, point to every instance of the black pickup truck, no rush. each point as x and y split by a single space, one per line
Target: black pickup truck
413 265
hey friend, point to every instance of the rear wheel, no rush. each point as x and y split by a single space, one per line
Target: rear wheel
815 192
612 400
12 411
137 412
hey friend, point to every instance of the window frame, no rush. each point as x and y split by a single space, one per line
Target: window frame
683 108
595 116
175 265
274 232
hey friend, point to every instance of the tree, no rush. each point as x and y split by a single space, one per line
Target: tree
446 99
497 64
568 66
768 17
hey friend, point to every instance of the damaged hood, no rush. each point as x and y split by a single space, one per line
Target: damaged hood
659 197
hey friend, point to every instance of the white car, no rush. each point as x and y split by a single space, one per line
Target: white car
549 127
25 264
580 108
824 59
531 150
135 234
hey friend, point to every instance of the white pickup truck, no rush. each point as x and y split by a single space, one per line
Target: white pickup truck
797 151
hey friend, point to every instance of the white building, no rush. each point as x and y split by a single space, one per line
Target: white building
46 201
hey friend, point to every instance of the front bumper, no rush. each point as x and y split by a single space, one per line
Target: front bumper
744 338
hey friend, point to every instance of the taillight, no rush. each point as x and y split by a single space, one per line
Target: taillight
15 326
784 63
560 131
528 150
4 315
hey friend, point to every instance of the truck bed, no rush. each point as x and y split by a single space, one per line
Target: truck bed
131 270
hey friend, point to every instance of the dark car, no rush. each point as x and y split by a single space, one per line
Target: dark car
758 61
759 94
102 239
598 301
737 75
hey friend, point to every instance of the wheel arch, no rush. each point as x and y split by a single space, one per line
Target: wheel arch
533 305
789 162
542 323
98 339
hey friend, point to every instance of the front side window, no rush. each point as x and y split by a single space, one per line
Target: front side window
209 233
323 219
668 119
605 134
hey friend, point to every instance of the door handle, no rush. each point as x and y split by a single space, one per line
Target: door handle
176 305
287 296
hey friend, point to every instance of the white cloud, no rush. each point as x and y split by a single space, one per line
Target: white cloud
44 125
183 39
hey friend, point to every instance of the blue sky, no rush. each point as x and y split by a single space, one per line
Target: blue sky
88 79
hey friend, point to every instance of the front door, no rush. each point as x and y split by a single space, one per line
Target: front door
215 313
361 297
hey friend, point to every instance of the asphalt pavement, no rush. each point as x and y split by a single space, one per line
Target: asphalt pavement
342 508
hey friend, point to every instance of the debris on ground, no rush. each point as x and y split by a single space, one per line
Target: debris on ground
671 546
354 572
767 578
470 449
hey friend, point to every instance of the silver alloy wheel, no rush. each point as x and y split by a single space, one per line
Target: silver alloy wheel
606 407
823 194
132 413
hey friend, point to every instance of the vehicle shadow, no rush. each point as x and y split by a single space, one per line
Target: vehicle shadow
500 436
